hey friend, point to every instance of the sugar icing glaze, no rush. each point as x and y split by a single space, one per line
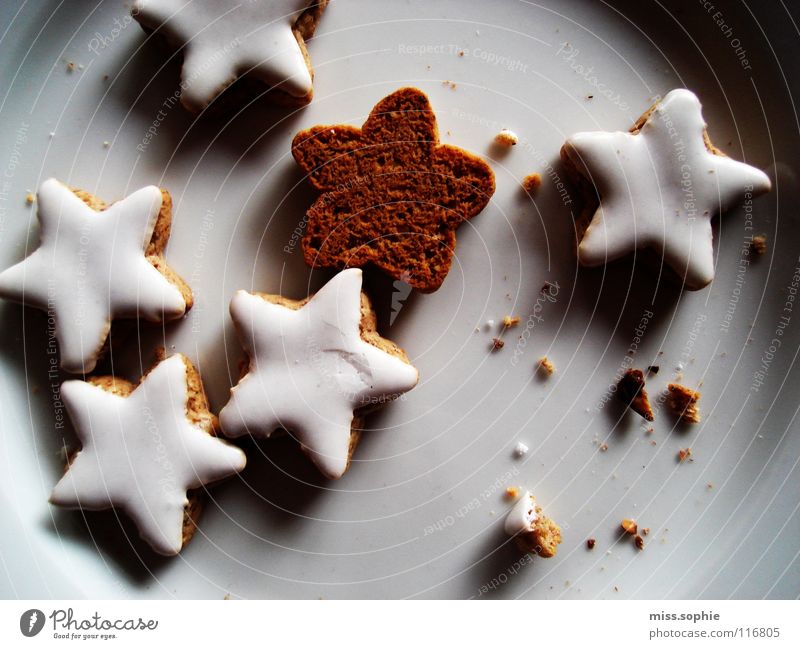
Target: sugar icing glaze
141 453
522 515
222 39
660 188
89 268
309 370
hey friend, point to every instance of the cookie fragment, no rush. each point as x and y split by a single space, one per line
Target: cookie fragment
759 244
392 194
531 529
631 391
507 138
532 182
545 366
683 402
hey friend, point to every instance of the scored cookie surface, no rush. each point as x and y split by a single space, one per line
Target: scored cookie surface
393 195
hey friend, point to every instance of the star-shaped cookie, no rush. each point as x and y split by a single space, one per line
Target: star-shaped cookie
393 195
143 448
315 367
658 187
224 40
95 263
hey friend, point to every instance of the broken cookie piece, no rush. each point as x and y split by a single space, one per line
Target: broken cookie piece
532 531
759 244
683 402
532 182
545 366
630 390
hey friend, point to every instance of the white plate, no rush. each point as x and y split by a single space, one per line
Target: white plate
420 512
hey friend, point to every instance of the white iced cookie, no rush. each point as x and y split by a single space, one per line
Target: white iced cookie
659 186
221 40
95 263
143 448
532 531
314 366
522 515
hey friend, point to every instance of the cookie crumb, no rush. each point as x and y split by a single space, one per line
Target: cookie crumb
630 390
684 453
629 525
70 66
590 543
532 182
506 138
497 344
461 53
603 447
520 449
30 199
510 321
653 369
710 485
449 84
759 244
639 542
645 531
545 365
512 493
683 402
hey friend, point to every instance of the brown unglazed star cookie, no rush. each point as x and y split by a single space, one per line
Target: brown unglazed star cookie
393 195
148 449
